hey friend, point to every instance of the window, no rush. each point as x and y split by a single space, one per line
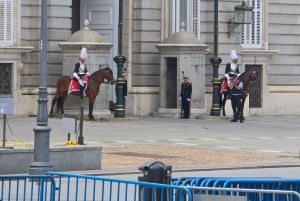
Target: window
187 12
6 22
252 33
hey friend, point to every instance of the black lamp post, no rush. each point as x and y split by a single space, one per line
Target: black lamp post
120 60
215 109
41 162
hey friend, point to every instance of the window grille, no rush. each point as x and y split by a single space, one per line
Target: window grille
5 78
6 22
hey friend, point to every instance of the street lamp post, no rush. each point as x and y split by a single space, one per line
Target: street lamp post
215 109
41 162
120 60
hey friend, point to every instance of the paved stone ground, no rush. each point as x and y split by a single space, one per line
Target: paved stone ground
130 157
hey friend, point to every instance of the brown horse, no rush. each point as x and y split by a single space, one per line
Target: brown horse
92 89
249 75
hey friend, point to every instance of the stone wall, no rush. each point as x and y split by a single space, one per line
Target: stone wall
59 29
146 34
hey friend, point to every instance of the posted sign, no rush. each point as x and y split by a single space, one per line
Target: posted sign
6 105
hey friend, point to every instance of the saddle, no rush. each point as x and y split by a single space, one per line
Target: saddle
74 86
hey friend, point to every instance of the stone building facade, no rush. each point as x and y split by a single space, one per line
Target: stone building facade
272 46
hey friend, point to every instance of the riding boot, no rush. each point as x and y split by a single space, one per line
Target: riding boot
81 91
235 117
241 117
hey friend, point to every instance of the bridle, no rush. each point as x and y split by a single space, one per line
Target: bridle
105 81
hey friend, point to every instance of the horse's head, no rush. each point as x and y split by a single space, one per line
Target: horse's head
249 75
109 75
253 74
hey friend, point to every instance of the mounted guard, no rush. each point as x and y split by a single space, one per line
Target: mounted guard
80 74
231 69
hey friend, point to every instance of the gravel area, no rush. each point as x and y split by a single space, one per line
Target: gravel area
133 156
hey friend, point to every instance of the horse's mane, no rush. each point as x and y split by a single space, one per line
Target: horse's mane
101 67
244 73
245 76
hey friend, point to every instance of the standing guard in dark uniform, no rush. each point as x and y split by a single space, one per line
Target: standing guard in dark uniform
236 100
125 88
185 97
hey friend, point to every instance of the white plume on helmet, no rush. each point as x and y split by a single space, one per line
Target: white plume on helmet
83 54
233 55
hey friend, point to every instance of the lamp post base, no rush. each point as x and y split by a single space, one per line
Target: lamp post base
119 108
215 109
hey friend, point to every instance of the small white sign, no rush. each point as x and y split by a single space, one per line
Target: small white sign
69 124
6 105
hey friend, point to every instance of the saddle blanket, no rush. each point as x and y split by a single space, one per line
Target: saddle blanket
74 86
224 84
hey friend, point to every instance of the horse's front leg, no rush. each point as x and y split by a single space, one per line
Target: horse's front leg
91 106
225 94
62 102
242 108
53 103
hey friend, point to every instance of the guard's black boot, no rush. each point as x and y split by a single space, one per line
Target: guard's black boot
241 118
81 91
235 118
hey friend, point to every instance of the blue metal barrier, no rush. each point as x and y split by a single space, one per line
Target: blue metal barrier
27 187
262 183
83 187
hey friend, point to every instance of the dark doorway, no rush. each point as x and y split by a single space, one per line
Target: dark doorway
171 77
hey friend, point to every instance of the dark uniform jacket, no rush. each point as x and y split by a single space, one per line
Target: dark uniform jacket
186 91
78 71
228 69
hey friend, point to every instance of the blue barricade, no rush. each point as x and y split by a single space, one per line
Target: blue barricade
84 187
267 183
72 187
27 187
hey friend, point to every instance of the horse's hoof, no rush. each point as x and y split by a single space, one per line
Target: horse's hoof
91 118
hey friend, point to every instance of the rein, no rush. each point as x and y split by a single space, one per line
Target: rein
104 81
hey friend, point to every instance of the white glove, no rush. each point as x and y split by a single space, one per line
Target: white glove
75 75
179 98
81 82
188 99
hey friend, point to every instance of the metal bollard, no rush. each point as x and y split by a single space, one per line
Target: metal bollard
155 172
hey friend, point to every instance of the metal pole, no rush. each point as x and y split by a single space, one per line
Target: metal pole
41 162
80 137
120 60
215 109
4 130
